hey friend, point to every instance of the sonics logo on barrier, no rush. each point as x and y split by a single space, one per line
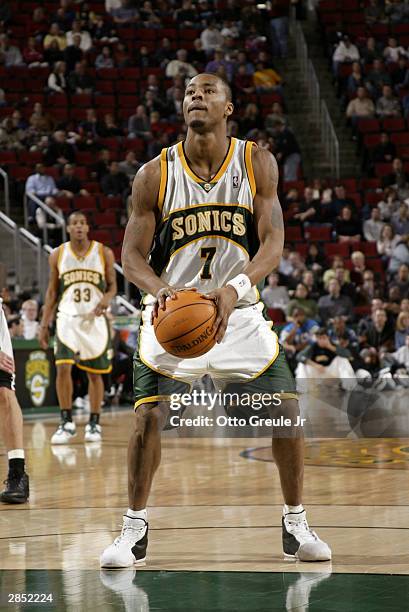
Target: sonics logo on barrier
37 376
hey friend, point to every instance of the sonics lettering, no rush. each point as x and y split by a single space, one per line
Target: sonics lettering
81 276
207 221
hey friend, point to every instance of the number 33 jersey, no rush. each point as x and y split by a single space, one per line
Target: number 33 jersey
82 279
206 234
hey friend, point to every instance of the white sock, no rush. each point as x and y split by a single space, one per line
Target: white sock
293 509
17 453
141 514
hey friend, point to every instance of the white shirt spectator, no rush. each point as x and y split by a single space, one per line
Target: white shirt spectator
211 39
86 41
346 53
372 230
111 5
41 184
275 297
176 67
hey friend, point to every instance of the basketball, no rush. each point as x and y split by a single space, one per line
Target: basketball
184 328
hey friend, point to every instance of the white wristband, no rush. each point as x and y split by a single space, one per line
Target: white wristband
241 284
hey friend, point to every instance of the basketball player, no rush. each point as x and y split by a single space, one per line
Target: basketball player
82 285
207 213
17 485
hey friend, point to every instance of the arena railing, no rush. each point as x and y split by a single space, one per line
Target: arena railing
320 114
49 211
5 178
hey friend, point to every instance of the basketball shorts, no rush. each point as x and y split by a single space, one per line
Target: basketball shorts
84 341
249 359
7 380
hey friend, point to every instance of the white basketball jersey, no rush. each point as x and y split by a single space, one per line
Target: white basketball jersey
5 340
82 279
206 234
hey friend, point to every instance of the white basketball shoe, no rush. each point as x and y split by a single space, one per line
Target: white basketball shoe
66 431
93 433
301 542
129 548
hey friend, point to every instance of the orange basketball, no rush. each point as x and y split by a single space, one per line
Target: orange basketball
184 328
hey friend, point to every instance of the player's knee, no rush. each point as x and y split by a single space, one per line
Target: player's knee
4 398
63 370
150 417
92 377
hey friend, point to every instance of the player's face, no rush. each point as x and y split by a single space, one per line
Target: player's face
205 103
78 227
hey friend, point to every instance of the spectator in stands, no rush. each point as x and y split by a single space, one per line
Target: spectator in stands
164 53
125 14
29 314
360 107
86 41
388 105
389 204
16 328
401 280
297 334
287 152
56 80
250 121
340 200
54 226
342 335
387 241
108 127
69 184
334 304
156 145
399 179
80 81
139 124
400 220
73 53
370 52
41 185
121 55
346 52
401 329
32 57
315 259
197 55
175 106
373 13
393 300
297 269
355 79
397 11
220 59
378 334
373 226
310 282
10 55
308 207
115 182
275 295
358 268
5 13
400 255
130 165
11 137
53 54
60 151
55 34
266 79
321 360
180 66
276 116
110 5
347 227
143 57
377 78
366 292
384 151
186 15
102 165
89 125
3 101
393 51
301 299
102 31
211 38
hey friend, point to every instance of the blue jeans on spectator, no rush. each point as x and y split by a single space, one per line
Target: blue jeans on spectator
291 166
279 35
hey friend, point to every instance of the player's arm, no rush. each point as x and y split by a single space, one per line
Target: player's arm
140 231
50 300
268 220
110 278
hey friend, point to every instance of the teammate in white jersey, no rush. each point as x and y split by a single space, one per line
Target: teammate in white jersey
17 484
206 212
81 287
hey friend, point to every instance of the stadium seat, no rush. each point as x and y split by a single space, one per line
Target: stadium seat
336 248
319 233
276 315
293 234
106 202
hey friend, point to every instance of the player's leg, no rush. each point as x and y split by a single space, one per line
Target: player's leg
144 452
93 432
17 484
66 429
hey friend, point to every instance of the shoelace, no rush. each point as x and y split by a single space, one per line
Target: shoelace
301 528
126 532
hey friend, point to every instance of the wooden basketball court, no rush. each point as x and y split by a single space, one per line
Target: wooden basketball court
215 509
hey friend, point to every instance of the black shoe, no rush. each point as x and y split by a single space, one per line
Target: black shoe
17 490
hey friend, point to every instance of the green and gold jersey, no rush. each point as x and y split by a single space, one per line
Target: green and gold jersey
82 279
206 234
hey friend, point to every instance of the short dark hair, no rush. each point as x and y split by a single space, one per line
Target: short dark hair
13 320
76 213
227 88
321 331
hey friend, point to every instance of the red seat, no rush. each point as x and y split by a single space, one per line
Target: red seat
370 183
367 248
30 157
20 173
394 124
101 236
106 87
106 202
107 74
276 315
107 218
105 100
373 197
362 311
293 234
111 143
336 248
82 100
131 87
81 202
8 157
320 233
400 138
85 157
64 203
368 125
130 73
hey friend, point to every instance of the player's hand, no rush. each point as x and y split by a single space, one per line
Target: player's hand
161 297
6 363
43 337
102 306
226 299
